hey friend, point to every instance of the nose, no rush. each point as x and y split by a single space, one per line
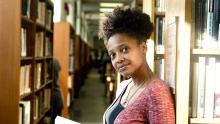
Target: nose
119 58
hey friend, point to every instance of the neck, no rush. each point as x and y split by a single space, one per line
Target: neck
144 74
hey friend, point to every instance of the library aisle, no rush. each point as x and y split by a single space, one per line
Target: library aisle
91 104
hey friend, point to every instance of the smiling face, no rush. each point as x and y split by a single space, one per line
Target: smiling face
126 53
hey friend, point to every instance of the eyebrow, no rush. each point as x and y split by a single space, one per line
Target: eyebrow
120 45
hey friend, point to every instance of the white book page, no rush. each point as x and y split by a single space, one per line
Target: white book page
62 120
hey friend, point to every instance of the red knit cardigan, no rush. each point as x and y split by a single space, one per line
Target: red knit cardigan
154 105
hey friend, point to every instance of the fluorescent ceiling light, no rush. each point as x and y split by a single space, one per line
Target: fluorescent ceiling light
106 9
111 4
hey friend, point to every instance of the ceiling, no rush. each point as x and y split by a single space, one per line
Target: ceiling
92 13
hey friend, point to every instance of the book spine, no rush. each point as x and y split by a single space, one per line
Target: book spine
217 91
209 88
195 89
201 88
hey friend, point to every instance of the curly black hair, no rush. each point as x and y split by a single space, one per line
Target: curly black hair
130 21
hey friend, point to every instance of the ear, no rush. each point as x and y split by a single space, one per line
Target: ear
143 46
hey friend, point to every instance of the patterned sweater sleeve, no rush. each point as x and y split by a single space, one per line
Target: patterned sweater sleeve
161 108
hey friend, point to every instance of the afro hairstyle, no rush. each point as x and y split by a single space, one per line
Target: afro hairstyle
129 21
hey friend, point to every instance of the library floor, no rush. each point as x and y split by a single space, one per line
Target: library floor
91 104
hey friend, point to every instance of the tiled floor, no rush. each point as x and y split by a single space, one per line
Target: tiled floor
91 104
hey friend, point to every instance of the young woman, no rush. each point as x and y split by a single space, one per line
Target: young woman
144 98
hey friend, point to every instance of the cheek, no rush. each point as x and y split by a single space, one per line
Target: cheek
114 64
137 59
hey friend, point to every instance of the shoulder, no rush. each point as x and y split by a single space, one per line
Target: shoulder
159 92
157 89
157 85
161 106
122 86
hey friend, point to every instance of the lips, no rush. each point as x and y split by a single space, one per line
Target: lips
122 67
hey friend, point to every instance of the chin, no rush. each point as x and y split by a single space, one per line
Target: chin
125 74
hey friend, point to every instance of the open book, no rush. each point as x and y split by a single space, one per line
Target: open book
61 120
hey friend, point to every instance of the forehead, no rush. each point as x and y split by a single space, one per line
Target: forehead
118 40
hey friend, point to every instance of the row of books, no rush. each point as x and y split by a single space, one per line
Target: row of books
159 38
70 92
26 8
25 75
47 71
70 81
47 98
41 11
48 47
206 21
25 72
70 97
38 77
23 42
39 43
49 19
71 52
71 64
42 103
44 15
205 84
24 112
71 46
160 5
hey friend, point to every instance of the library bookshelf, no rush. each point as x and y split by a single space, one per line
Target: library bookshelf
193 58
156 44
81 63
64 45
10 51
73 55
159 32
27 52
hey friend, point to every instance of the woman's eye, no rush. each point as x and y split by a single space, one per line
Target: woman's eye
112 56
124 50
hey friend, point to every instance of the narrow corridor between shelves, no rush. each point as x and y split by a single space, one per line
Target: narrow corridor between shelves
91 104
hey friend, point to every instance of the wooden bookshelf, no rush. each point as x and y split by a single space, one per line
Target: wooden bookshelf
77 53
182 9
76 85
156 44
10 51
25 96
26 58
205 63
159 14
42 116
160 52
49 31
19 55
188 56
159 38
63 36
205 120
26 20
40 26
206 51
76 69
42 87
